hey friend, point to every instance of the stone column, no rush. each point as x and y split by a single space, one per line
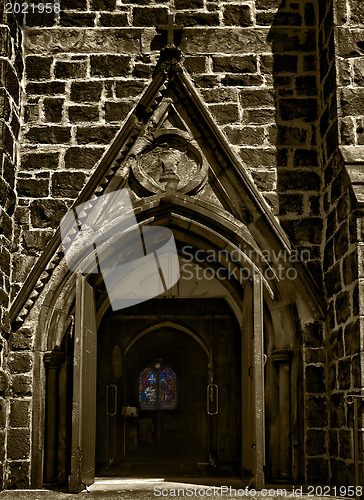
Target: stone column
52 360
282 358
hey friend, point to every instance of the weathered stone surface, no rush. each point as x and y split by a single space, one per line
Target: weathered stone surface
38 68
33 188
316 408
79 114
117 20
82 40
116 111
109 65
96 135
48 135
237 15
82 157
128 89
47 213
70 69
21 385
235 64
198 19
18 444
256 98
22 264
317 470
344 374
143 16
225 40
40 161
88 91
67 184
19 413
315 379
21 340
20 362
315 442
19 476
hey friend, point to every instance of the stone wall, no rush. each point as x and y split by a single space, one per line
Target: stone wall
266 69
11 69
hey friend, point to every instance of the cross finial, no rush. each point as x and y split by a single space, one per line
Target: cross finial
170 28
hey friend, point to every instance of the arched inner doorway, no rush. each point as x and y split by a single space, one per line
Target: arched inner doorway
199 340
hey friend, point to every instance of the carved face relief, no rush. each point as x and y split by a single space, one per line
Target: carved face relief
168 164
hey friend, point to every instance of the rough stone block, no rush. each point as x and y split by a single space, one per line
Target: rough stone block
228 40
38 68
197 19
83 114
96 135
48 135
47 213
21 340
20 362
258 157
344 374
109 65
86 91
298 109
345 446
315 379
49 88
143 16
83 157
118 20
298 181
128 89
188 4
290 204
67 184
235 64
19 413
19 475
333 280
256 98
22 264
237 15
39 161
70 69
18 444
33 188
317 470
103 4
341 241
85 41
73 5
247 136
116 111
78 19
315 442
316 410
21 385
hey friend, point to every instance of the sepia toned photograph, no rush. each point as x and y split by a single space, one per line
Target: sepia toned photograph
181 249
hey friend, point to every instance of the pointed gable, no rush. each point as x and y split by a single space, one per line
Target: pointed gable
170 145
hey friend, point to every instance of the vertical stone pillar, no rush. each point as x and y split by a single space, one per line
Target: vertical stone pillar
282 359
52 360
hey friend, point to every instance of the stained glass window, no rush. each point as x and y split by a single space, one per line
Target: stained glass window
147 390
167 389
157 389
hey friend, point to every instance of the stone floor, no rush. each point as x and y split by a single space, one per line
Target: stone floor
152 488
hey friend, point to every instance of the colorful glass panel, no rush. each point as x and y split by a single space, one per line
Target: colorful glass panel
147 390
167 389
